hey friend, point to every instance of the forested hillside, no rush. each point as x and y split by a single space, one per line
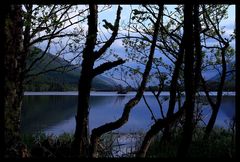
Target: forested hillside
63 79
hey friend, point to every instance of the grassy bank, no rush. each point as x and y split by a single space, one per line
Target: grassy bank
219 145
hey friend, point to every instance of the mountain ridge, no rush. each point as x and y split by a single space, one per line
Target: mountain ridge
65 79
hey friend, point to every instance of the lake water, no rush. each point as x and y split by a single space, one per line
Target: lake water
54 113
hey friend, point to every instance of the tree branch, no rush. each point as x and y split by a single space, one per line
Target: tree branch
150 110
106 66
113 36
97 132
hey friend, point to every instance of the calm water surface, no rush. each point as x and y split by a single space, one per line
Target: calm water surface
55 114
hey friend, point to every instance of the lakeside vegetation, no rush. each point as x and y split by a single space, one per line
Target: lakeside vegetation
219 145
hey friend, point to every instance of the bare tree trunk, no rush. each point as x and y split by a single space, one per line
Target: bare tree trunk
81 143
81 137
82 130
13 78
188 81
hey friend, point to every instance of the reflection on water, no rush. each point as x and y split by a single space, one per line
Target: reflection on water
40 112
56 114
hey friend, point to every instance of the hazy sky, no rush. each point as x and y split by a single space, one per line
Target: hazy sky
117 47
229 24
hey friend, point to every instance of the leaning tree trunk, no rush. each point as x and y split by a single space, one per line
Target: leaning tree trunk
155 128
215 107
98 132
13 77
173 90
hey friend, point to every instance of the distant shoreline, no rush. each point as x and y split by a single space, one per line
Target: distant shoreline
107 93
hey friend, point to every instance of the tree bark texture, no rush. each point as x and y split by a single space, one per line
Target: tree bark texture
13 76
